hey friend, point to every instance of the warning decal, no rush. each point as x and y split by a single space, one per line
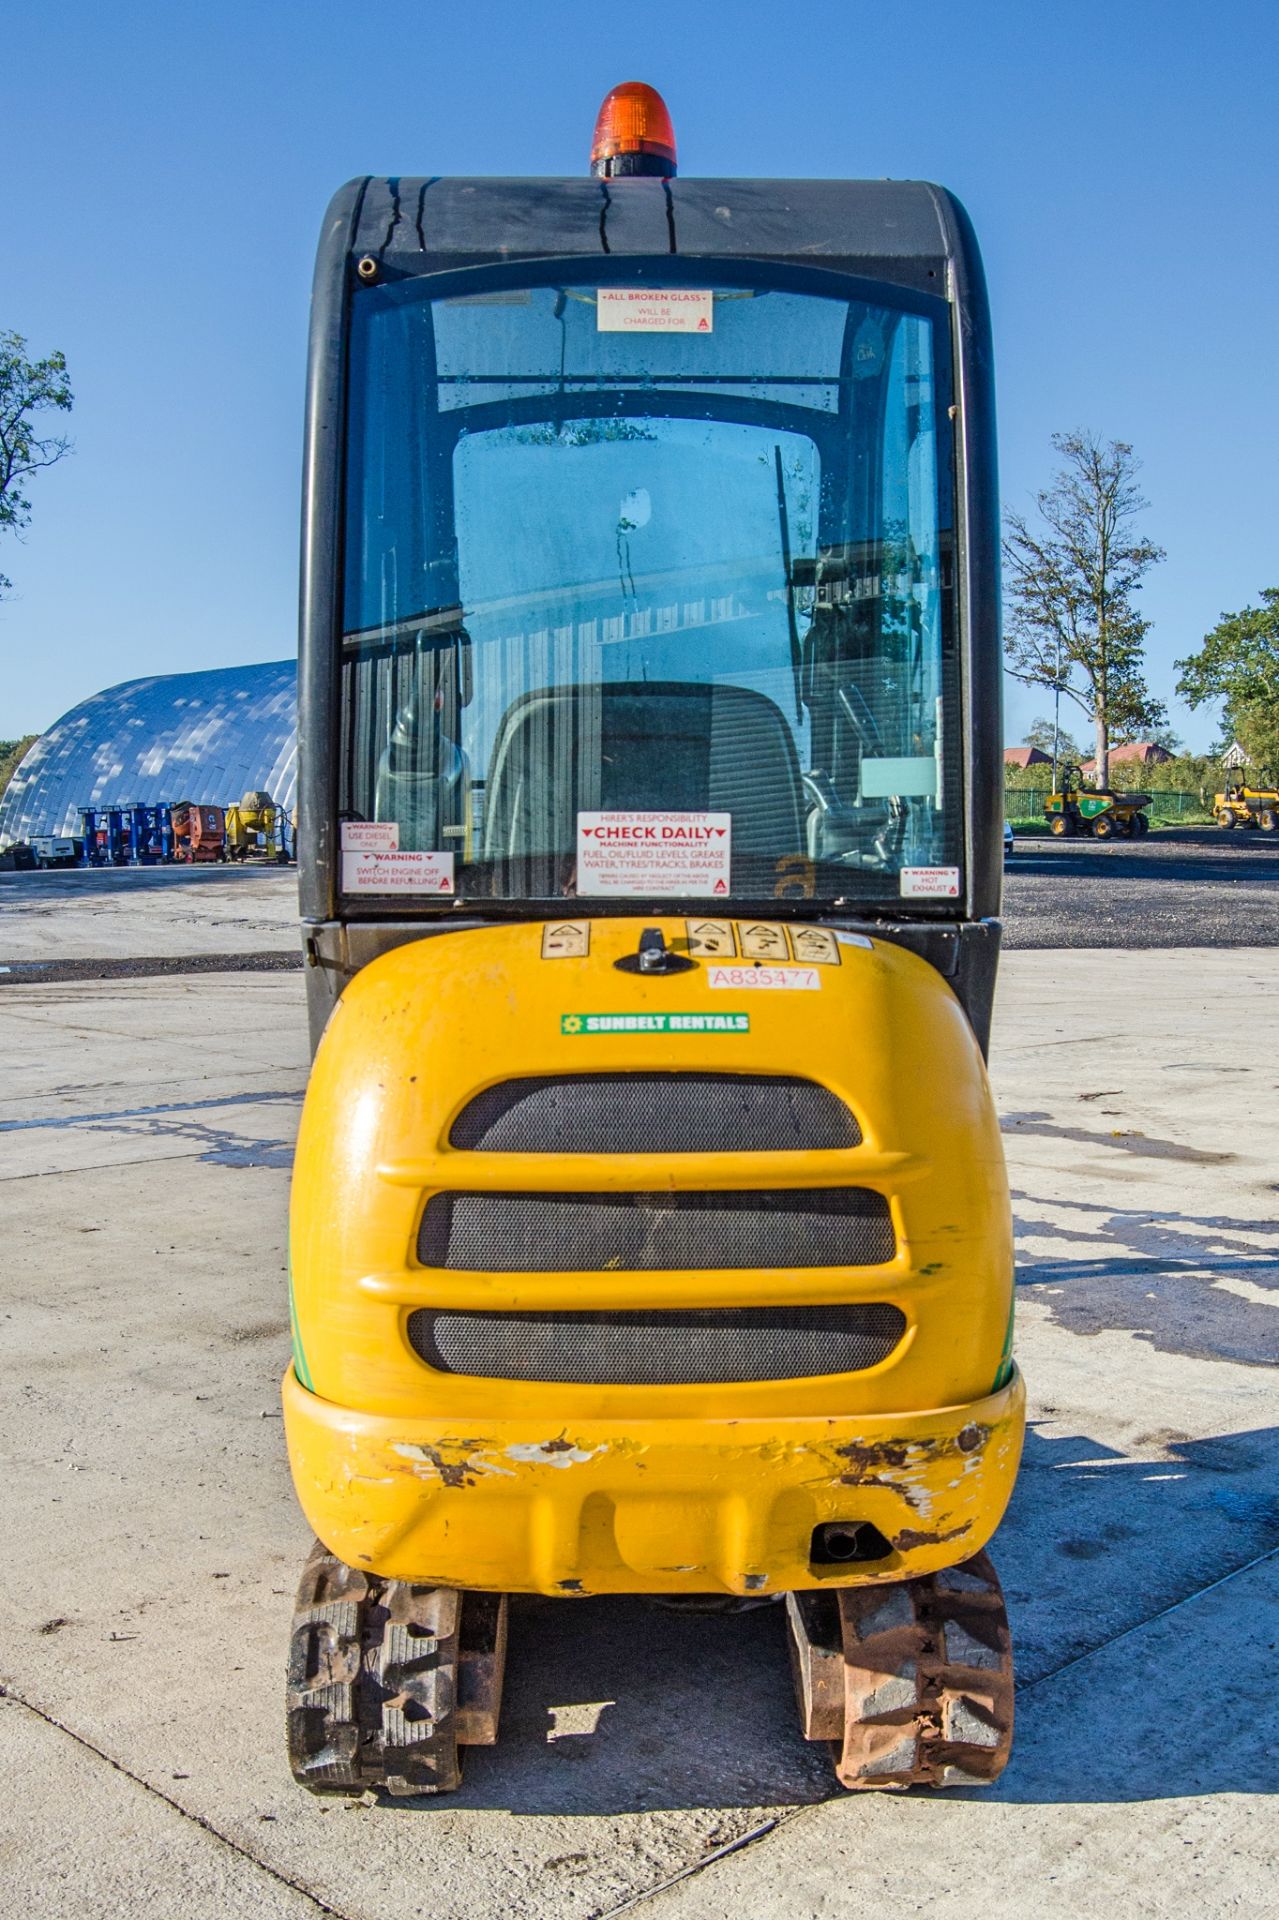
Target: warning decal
373 872
816 944
711 939
653 310
566 939
930 883
371 836
628 853
764 940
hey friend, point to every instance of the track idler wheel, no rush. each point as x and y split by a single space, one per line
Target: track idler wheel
912 1682
387 1679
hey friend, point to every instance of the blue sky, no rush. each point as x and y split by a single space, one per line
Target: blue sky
167 166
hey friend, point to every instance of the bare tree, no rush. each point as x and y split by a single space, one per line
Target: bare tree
1070 622
28 388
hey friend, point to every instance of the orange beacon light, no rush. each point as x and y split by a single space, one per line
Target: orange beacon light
633 135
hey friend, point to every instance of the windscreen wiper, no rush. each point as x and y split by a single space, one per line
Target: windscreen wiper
791 619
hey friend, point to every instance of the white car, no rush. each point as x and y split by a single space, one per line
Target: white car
1009 842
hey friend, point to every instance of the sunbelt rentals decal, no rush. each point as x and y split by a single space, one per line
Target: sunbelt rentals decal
578 1025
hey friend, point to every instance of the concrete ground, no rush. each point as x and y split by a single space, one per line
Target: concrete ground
649 1762
124 913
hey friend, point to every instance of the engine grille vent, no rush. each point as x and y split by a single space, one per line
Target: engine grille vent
637 1232
655 1113
646 1349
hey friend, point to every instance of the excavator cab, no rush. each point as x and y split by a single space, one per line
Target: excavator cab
650 1232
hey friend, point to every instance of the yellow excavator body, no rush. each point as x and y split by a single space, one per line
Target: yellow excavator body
484 1394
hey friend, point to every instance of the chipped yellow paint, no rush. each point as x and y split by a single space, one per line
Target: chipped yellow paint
529 1486
679 1506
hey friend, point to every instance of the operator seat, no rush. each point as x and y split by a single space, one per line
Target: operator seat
649 746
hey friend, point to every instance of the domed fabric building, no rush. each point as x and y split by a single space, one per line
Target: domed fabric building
207 737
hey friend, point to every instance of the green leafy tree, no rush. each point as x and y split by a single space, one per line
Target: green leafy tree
1040 734
1238 663
1070 582
12 753
29 390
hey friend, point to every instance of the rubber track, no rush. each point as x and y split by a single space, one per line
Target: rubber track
372 1682
928 1681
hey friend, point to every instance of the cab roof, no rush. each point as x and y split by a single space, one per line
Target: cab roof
904 231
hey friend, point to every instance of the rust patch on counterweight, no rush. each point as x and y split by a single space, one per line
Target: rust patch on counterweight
881 1463
908 1537
457 1469
866 1455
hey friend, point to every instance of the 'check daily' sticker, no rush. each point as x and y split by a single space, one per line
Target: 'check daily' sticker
628 853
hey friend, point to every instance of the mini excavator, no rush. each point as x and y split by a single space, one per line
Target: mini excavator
650 1229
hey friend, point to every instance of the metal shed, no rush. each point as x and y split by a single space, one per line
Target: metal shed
207 737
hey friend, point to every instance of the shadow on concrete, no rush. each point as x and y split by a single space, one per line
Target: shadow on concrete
618 1706
1202 1285
1118 1139
1099 1545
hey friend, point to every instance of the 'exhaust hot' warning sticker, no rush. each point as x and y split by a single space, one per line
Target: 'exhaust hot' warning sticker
680 853
930 883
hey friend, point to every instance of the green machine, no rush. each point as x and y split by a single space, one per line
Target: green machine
1095 810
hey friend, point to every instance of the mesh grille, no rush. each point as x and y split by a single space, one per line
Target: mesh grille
658 1349
655 1113
634 1232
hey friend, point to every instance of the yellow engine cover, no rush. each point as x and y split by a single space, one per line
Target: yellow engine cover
565 1487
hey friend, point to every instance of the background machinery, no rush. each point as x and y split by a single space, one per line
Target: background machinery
199 832
1095 810
104 836
56 850
1244 806
650 1231
255 830
148 833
